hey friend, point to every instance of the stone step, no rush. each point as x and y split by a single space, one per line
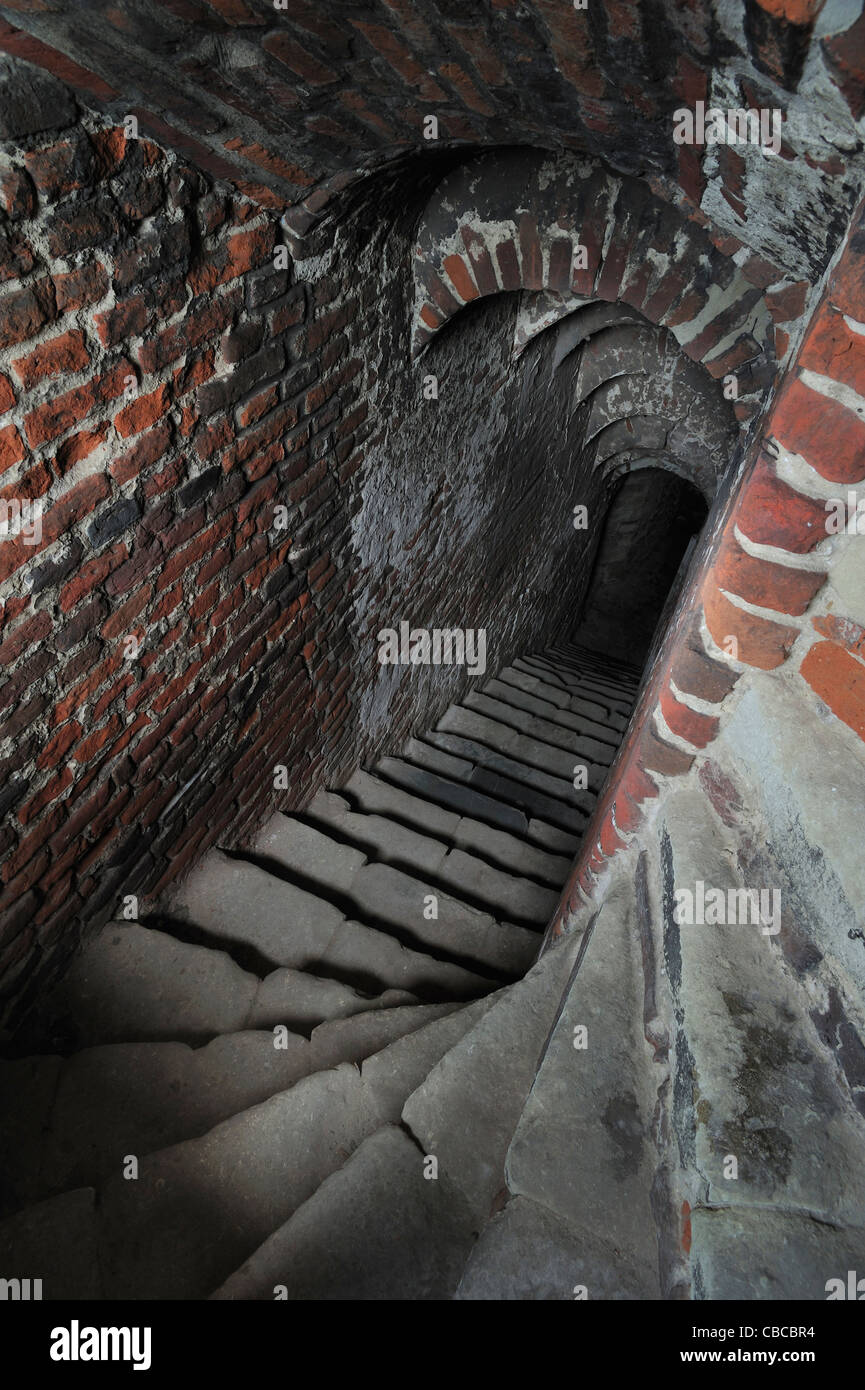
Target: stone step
323 862
200 1209
302 848
475 938
434 760
463 799
607 1093
545 731
238 903
563 698
520 700
468 1107
534 791
529 1253
390 840
586 686
133 983
55 1242
574 687
377 1229
376 796
603 665
605 687
600 661
134 1098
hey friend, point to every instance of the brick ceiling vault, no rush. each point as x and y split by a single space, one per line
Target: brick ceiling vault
295 104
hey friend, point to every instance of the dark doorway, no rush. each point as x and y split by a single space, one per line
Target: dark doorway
649 527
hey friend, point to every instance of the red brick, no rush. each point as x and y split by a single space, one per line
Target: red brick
77 447
17 195
761 642
844 631
772 513
828 435
288 51
91 574
95 742
12 449
148 449
761 582
79 288
61 168
24 637
659 756
50 792
460 278
64 354
834 350
7 395
56 416
59 745
788 303
24 312
839 680
143 411
695 728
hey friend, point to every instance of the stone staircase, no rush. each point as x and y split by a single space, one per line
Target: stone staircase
302 1079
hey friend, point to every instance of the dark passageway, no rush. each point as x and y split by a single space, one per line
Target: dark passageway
640 563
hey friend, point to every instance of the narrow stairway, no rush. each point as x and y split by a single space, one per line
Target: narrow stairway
300 1080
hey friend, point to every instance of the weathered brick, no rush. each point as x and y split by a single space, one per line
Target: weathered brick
66 353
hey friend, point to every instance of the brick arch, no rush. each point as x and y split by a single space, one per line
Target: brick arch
757 580
513 220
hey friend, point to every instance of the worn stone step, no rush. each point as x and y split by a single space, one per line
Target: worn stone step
239 903
608 666
474 937
133 983
603 687
546 731
134 1098
607 1093
586 687
383 838
376 1229
54 1242
468 1107
528 1253
356 1038
530 678
455 796
200 1209
303 848
534 791
434 760
533 705
292 844
511 852
373 795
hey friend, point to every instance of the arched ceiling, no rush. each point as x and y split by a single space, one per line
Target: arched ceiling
293 99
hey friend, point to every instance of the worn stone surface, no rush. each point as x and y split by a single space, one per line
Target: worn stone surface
528 1253
582 1146
377 1229
466 1111
774 1255
55 1241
